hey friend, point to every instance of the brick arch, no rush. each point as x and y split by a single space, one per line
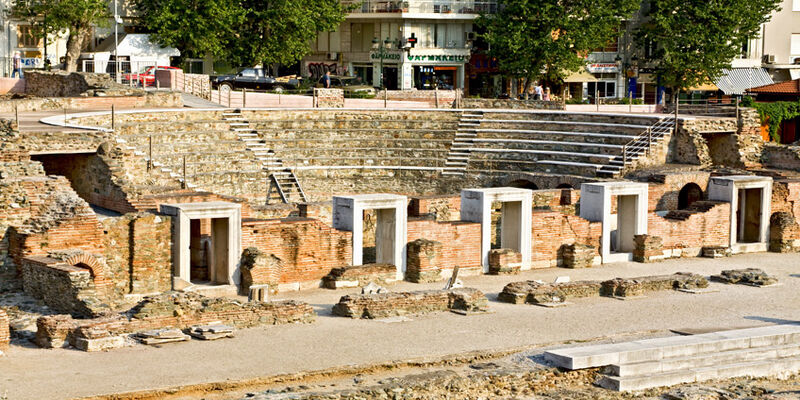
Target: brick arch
91 262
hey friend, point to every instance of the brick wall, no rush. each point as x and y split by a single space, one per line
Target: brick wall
63 287
307 248
444 207
461 241
701 229
552 229
5 331
663 189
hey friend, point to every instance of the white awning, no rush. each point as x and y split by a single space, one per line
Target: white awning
738 80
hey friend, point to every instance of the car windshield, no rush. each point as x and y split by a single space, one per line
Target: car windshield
351 81
146 69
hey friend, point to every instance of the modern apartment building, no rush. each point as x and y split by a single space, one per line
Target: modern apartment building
372 39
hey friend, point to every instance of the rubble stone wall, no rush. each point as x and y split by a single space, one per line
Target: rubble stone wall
5 331
424 261
156 100
64 288
384 305
139 252
690 144
180 311
781 156
442 207
512 104
663 189
784 230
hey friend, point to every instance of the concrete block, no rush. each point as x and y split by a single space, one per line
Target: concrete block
100 344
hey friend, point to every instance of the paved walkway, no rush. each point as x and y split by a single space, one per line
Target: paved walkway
31 373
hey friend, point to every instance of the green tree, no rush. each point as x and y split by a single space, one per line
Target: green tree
693 41
244 32
76 18
550 38
195 27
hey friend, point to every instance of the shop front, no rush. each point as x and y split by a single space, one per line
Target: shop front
484 75
430 69
385 68
607 82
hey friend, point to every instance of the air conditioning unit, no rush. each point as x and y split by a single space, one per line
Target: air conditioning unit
768 59
333 56
470 35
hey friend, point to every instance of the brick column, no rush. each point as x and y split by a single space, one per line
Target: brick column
5 331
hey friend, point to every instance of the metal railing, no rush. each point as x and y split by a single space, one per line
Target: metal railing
711 107
424 6
642 143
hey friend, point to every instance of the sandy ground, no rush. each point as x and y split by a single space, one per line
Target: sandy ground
31 373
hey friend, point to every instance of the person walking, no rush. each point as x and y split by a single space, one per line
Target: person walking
326 80
17 66
546 96
537 92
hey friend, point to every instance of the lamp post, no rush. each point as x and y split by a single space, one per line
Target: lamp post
383 52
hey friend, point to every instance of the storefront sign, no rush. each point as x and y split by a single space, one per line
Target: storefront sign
31 62
439 58
386 56
606 68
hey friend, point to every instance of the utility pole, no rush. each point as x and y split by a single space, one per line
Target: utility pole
116 44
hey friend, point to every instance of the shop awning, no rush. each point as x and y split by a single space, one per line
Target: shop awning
581 76
705 87
738 80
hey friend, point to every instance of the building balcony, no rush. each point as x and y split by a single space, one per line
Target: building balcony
413 8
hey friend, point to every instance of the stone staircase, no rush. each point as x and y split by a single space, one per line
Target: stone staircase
640 146
458 156
283 185
642 364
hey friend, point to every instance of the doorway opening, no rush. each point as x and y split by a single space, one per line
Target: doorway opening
748 215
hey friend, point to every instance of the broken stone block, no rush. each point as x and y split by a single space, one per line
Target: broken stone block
647 248
359 275
716 252
99 344
424 261
689 281
373 288
504 261
748 276
211 332
578 255
160 336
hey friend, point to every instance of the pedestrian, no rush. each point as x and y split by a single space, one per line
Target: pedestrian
537 92
326 80
546 96
17 65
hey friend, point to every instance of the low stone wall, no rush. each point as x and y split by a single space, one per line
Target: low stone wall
533 292
781 156
259 269
156 100
5 331
424 261
512 104
424 301
504 261
360 275
328 98
69 84
446 98
784 233
63 287
177 310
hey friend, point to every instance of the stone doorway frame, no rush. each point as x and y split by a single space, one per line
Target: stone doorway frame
596 206
181 236
727 188
392 214
515 226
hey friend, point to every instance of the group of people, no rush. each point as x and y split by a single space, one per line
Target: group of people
539 92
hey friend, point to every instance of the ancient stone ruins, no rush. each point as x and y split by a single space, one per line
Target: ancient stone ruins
164 224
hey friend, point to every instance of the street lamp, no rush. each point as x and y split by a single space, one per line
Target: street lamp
383 52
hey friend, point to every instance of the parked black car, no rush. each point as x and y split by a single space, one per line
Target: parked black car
256 79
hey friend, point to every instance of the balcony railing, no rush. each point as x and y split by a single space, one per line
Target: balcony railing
424 6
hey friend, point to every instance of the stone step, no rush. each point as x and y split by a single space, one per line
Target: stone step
703 360
762 368
674 346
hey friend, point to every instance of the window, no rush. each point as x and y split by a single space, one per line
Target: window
26 38
796 5
361 36
328 42
795 44
250 73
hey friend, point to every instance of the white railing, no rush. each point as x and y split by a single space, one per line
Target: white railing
129 70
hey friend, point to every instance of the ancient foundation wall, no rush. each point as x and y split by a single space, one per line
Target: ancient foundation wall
512 104
155 100
460 245
698 230
664 189
552 229
139 253
173 310
384 305
62 287
5 331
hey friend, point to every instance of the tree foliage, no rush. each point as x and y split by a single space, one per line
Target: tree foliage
694 41
76 18
243 32
550 38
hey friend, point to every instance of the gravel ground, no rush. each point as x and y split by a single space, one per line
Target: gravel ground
29 373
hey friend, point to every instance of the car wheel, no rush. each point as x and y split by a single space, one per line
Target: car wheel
225 88
278 89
